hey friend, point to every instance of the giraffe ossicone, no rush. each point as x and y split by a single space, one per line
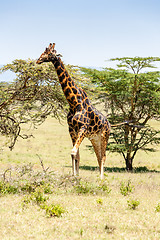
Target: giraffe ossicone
84 120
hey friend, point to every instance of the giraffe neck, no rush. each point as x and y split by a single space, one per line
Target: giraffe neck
72 92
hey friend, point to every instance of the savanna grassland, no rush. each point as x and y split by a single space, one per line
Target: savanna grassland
39 199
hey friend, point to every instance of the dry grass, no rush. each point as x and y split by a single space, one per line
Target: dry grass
88 216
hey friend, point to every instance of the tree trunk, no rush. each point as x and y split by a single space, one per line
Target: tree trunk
129 162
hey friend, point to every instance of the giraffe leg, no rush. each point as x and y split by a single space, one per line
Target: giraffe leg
75 151
99 143
75 163
104 141
77 160
96 143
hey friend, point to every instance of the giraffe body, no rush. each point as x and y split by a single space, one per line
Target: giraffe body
84 120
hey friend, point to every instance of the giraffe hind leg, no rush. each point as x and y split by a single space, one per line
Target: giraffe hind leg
99 143
96 143
104 141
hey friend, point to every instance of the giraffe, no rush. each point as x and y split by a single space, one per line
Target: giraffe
84 120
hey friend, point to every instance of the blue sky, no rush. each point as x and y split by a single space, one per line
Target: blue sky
86 32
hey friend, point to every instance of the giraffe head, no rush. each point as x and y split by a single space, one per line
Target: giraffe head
48 55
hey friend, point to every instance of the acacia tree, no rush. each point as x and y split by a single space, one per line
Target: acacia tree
130 94
30 98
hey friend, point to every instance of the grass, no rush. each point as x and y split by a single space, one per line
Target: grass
91 208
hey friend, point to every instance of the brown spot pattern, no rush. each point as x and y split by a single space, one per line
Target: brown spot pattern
84 119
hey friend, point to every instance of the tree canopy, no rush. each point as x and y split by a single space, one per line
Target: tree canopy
131 93
30 98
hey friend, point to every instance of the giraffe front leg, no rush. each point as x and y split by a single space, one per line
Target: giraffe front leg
75 161
75 157
75 152
74 171
102 170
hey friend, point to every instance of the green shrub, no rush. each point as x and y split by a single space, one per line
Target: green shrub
53 210
125 189
84 187
36 197
8 188
24 179
99 201
157 208
47 189
133 204
26 200
11 189
103 186
27 187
